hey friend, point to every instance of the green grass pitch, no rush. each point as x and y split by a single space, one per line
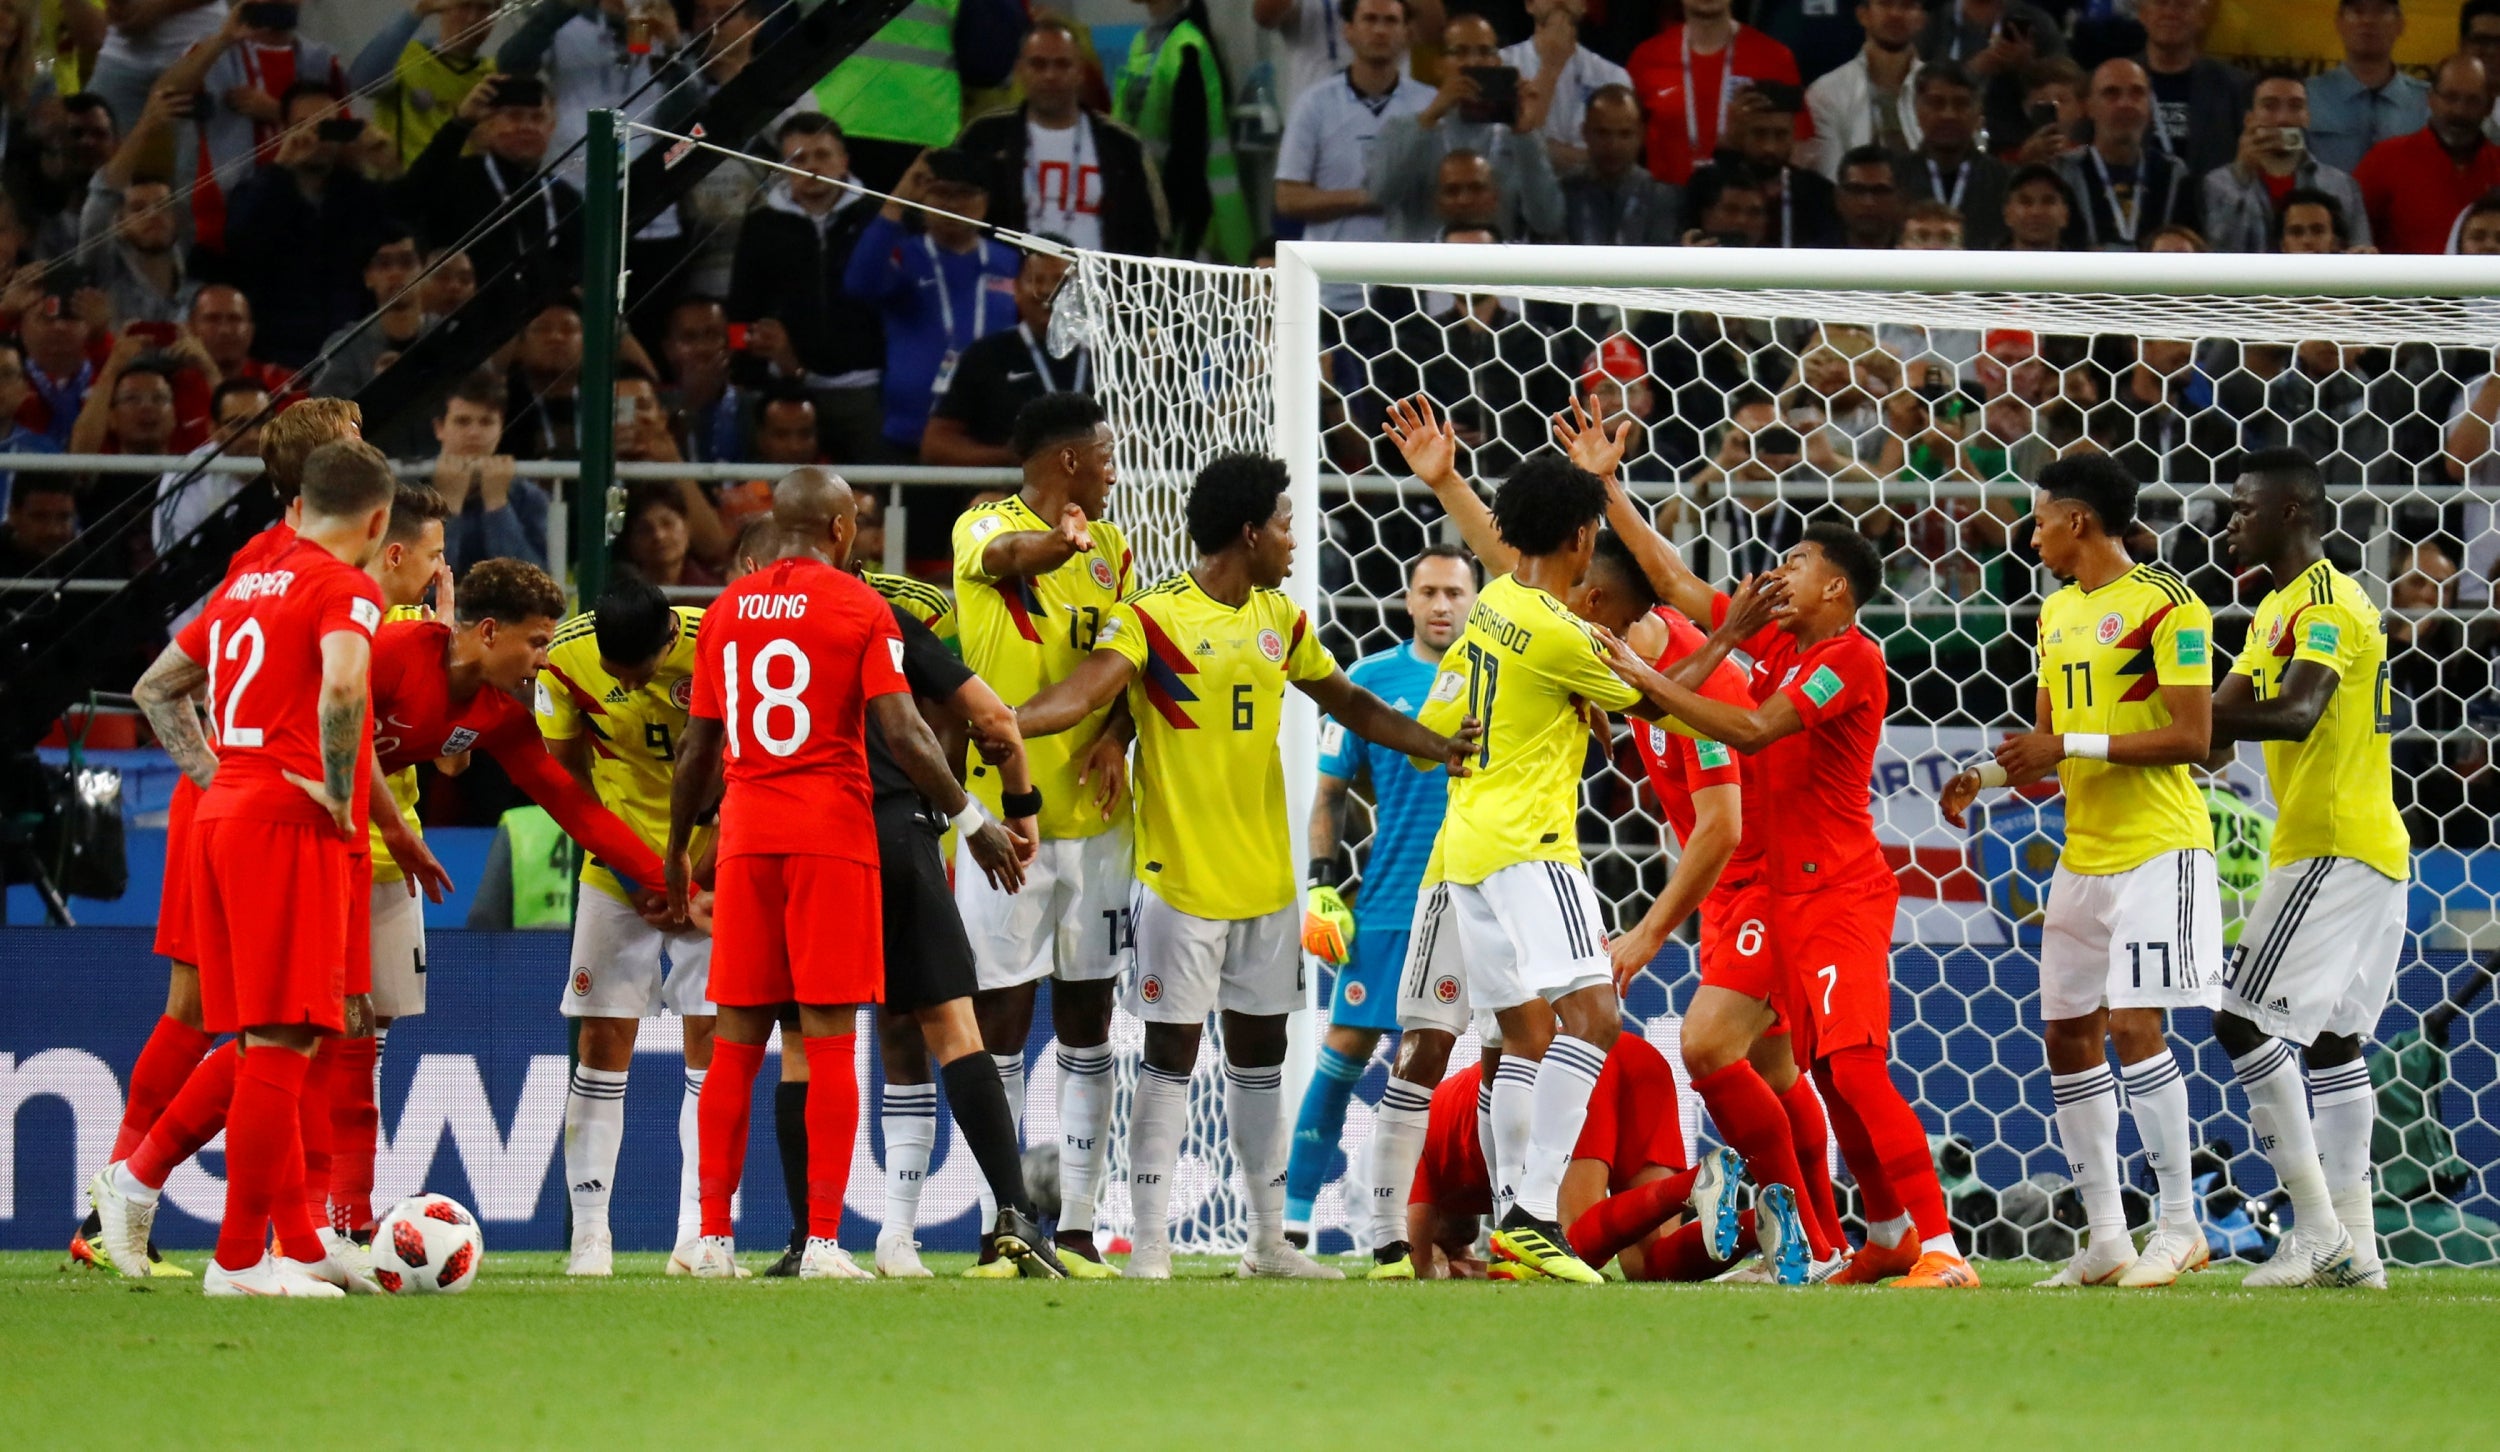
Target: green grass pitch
528 1358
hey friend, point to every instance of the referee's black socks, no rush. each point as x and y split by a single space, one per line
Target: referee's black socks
790 1136
978 1101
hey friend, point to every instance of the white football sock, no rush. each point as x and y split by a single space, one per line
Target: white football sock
2157 1098
1084 1129
594 1127
1254 1106
381 1041
1484 1124
132 1190
1505 1150
1564 1081
2087 1129
690 1159
1894 1231
2278 1111
908 1115
2343 1109
1157 1117
1398 1126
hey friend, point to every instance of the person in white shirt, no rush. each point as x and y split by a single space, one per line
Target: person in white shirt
1568 72
1869 101
1059 168
1312 44
1323 169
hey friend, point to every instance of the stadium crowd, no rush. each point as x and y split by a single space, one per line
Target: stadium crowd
207 211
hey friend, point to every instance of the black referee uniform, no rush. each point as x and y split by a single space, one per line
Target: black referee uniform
928 960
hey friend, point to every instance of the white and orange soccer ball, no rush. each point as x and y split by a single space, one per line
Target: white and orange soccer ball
427 1243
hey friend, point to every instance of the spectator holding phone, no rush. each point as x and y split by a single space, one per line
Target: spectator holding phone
1485 107
260 61
304 225
1996 41
129 228
2053 114
141 40
2243 199
446 193
939 292
417 84
1568 73
1688 77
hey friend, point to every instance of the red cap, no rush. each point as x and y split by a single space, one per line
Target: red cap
1618 358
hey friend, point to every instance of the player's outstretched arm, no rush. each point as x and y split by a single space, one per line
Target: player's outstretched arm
1430 447
915 749
1718 823
164 695
2294 711
1581 434
1662 699
576 809
1096 682
691 793
1038 551
1382 724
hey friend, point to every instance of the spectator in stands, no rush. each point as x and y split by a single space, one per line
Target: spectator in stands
188 495
1803 203
2416 186
1056 167
448 280
493 512
2241 199
786 288
358 349
655 544
129 233
2366 99
714 209
2128 192
1869 200
132 408
2039 210
445 194
1465 193
301 229
1565 73
643 437
415 85
1687 74
1947 165
1932 226
913 98
255 67
1997 41
1613 200
2478 231
939 292
1870 101
1316 40
1730 205
50 191
16 437
868 537
1171 90
1324 172
708 410
141 41
2198 102
785 438
42 520
1002 373
2478 35
542 394
2178 237
1821 34
2312 222
598 55
2053 113
1406 159
60 366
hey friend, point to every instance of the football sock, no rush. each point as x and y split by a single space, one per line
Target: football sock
173 1049
1810 1138
1685 1255
1877 1204
264 1153
690 1157
978 1101
1605 1228
1254 1109
1505 1150
2157 1097
1084 1129
1317 1128
1011 1079
594 1129
728 1103
1750 1118
313 1193
790 1139
1893 1131
189 1122
832 1128
1156 1118
2342 1108
2087 1129
908 1115
1484 1123
2278 1112
1564 1081
355 1129
1398 1127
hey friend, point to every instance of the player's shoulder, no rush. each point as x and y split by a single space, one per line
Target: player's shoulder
923 599
975 526
2162 583
1167 591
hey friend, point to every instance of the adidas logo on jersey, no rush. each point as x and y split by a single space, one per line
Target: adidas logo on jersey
616 695
1204 648
2279 1005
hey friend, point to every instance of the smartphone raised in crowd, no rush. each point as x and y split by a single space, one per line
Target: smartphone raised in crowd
1497 95
269 14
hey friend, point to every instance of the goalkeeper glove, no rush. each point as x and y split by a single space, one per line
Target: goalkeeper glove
1327 926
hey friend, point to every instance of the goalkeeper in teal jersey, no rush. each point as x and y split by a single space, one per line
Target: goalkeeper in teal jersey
1367 943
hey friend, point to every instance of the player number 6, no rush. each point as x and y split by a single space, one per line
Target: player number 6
1749 937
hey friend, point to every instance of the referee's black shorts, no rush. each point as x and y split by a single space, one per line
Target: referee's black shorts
928 960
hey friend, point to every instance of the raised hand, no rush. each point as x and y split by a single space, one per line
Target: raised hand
1582 435
1755 604
1423 439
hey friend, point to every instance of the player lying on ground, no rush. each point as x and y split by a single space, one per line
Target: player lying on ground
1205 658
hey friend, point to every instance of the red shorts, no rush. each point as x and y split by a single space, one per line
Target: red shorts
1835 955
796 929
269 916
358 969
173 910
1736 945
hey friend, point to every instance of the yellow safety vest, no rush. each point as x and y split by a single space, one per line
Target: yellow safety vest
901 85
1141 99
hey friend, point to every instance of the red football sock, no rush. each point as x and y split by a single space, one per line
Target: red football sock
314 1193
355 1125
1749 1118
1894 1134
191 1120
172 1052
721 1115
1812 1137
1685 1255
1876 1201
264 1151
1605 1228
832 1124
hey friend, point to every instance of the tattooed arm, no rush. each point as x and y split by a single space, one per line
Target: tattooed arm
346 664
164 695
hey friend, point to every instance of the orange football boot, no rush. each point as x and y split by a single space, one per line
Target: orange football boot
1938 1271
1873 1263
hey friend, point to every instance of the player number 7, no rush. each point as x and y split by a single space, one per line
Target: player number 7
1830 974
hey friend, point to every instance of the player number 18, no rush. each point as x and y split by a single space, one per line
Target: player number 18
771 700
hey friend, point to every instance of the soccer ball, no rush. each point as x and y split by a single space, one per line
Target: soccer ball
427 1243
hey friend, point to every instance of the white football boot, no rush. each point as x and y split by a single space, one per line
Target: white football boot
1149 1262
712 1258
1280 1261
898 1258
2171 1251
826 1260
594 1254
2306 1257
272 1276
126 1223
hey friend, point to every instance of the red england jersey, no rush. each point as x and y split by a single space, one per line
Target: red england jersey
787 661
1631 1125
415 719
1686 94
1818 829
260 639
1674 763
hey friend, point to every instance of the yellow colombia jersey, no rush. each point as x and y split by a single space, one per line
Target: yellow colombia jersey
2104 656
2334 794
633 734
1522 659
925 602
403 782
1209 696
1022 633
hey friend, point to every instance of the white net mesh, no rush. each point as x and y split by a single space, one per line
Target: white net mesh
1917 417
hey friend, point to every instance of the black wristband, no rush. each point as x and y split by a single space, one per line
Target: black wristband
1327 872
1020 804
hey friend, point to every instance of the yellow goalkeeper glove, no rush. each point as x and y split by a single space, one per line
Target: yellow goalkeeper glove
1327 925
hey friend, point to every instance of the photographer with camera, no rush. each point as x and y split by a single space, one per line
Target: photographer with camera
2242 199
446 192
302 226
1485 107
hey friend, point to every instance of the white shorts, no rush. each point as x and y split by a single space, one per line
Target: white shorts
1071 920
2318 952
2149 937
1531 930
1432 988
1189 966
625 968
398 951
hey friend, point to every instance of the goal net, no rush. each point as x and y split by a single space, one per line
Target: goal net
1911 395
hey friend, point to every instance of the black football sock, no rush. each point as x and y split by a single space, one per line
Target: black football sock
790 1134
978 1101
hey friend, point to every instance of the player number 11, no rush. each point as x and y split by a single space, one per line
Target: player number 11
2079 670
